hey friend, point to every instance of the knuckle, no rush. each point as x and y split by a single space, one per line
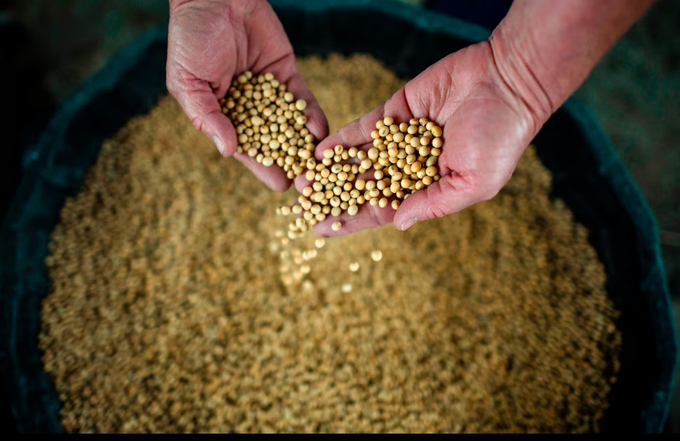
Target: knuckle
198 123
435 212
434 208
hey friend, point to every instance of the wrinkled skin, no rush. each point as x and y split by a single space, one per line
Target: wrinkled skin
212 41
490 98
486 129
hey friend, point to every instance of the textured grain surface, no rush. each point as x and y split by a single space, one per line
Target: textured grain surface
178 306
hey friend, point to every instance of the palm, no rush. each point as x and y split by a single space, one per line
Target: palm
208 44
486 129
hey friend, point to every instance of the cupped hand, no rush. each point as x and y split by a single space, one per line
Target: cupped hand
210 42
487 126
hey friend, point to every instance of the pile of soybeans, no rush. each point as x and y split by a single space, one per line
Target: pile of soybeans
270 128
179 304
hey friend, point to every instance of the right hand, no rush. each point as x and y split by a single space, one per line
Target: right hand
487 126
212 41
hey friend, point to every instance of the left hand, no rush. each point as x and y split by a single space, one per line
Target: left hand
210 42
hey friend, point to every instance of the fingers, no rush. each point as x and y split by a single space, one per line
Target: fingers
204 111
448 195
368 217
317 124
273 177
483 143
301 182
285 71
207 45
354 134
358 132
274 53
217 127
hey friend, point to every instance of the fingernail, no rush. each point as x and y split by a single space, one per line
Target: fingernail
408 224
220 145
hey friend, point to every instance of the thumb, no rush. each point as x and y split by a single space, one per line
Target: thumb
448 195
219 128
204 111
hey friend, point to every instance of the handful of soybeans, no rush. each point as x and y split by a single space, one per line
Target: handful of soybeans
403 160
269 122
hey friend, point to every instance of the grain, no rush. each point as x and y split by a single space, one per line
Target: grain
178 305
259 108
407 160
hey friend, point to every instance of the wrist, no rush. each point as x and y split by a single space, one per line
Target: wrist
517 71
545 50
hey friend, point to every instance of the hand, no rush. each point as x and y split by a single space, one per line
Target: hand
487 127
210 42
